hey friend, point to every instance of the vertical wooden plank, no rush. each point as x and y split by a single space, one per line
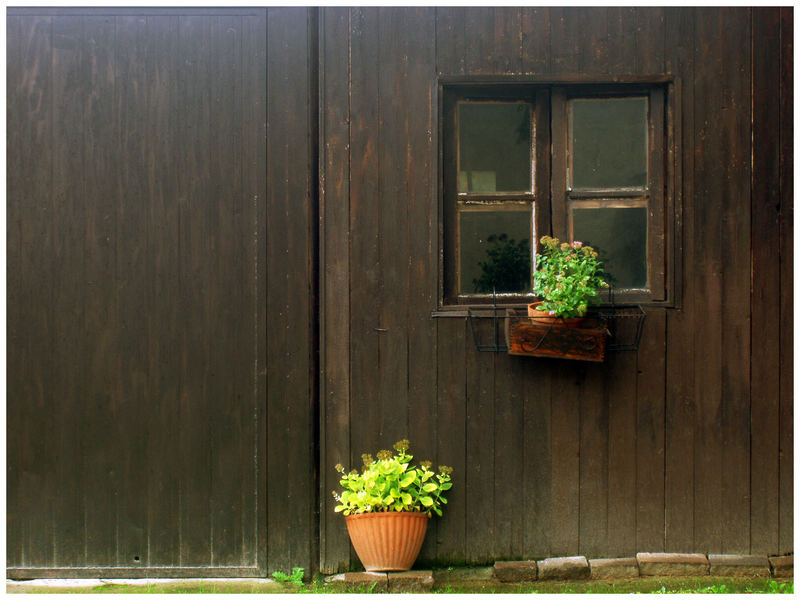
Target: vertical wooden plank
393 224
289 455
649 430
509 466
565 41
422 244
452 344
195 235
594 50
31 482
650 40
16 402
710 159
254 154
100 139
68 281
680 406
567 381
535 39
621 389
451 40
621 24
163 353
537 476
226 167
364 230
594 443
132 268
765 290
493 40
335 292
480 451
735 135
786 452
258 36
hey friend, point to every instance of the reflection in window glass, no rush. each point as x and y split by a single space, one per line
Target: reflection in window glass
620 237
608 144
495 251
494 140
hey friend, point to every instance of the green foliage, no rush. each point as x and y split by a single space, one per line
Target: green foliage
508 268
296 578
783 587
567 278
391 483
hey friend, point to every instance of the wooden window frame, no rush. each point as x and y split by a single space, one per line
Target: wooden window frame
551 197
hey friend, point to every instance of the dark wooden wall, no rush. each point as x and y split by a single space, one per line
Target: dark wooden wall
685 445
173 272
160 290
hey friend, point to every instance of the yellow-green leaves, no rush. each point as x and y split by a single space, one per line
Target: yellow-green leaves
390 483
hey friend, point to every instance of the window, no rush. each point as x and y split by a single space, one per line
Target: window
578 162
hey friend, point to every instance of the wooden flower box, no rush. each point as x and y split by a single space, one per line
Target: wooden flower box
525 337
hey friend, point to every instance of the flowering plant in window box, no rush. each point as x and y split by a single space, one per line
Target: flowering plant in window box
567 278
388 504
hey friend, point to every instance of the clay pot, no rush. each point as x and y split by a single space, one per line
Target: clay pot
387 541
540 317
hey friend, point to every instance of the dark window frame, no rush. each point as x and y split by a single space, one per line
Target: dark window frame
550 195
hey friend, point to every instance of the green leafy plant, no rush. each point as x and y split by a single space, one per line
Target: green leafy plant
508 268
567 278
391 483
296 578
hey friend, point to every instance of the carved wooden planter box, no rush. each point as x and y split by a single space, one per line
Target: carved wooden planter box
525 337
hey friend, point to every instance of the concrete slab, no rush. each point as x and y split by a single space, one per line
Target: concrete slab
738 565
514 571
668 564
613 568
564 567
782 566
410 581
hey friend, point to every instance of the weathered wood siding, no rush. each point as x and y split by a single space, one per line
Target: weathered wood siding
685 445
223 254
160 290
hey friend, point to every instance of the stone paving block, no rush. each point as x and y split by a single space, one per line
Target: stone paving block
513 571
782 566
613 568
410 581
564 567
738 565
361 578
456 575
671 564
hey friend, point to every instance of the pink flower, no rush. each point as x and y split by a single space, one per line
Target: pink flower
559 277
551 313
577 244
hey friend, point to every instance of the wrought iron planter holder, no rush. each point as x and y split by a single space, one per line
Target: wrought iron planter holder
613 328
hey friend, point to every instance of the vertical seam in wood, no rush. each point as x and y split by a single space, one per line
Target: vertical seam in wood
265 554
752 291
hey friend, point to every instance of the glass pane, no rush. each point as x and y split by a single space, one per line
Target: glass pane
609 143
620 237
494 147
495 251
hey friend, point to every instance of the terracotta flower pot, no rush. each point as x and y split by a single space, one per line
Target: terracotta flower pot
387 541
541 317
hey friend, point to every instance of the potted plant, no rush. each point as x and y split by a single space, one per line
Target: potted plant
567 278
387 506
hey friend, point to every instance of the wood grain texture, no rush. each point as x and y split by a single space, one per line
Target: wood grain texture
765 294
786 452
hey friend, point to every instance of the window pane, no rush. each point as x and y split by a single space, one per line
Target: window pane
620 237
609 143
495 251
494 147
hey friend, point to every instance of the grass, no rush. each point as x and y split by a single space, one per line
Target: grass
645 585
